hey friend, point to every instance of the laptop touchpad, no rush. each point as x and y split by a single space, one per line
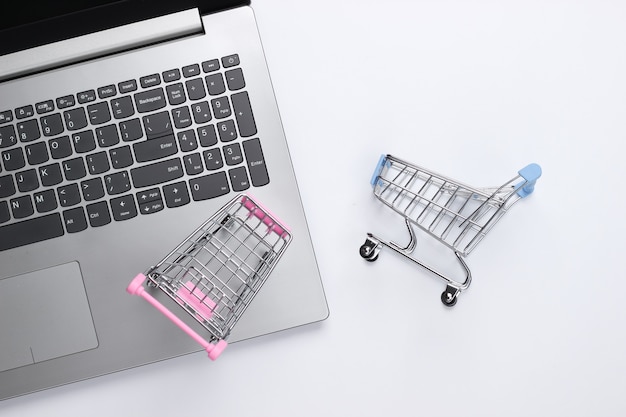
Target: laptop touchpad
44 315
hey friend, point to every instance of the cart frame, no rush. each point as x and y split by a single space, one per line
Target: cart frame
456 215
214 274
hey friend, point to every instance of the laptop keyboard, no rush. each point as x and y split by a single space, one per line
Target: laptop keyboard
125 150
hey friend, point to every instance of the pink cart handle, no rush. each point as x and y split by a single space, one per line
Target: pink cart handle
136 288
263 214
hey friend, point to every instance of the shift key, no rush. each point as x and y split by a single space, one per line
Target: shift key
157 173
149 150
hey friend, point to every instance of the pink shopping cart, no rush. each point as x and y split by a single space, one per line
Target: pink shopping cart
214 274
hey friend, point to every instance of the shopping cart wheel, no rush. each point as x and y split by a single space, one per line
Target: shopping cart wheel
369 250
450 296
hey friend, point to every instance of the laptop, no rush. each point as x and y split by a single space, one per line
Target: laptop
124 126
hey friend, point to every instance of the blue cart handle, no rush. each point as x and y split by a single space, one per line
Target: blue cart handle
531 174
379 167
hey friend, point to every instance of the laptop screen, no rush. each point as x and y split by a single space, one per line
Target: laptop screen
37 22
23 13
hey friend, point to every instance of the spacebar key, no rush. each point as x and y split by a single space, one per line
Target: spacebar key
157 173
31 231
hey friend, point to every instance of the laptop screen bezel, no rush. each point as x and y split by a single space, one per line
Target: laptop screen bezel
99 18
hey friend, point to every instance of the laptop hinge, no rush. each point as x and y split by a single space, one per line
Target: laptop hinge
99 44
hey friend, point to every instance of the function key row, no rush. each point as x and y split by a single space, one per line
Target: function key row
122 87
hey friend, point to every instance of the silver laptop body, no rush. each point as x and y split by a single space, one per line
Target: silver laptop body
114 146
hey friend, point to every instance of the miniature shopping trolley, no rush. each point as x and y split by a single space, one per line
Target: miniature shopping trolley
214 274
455 214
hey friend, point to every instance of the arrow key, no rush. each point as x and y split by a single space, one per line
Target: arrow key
176 195
153 194
151 207
123 207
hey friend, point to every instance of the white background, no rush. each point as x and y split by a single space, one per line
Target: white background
475 90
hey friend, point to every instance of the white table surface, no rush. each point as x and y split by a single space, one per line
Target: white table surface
475 90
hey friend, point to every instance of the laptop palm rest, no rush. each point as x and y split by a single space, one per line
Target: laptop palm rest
44 315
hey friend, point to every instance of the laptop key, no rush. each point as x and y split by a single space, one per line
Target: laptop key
243 114
107 136
45 107
86 96
221 107
24 112
157 125
60 147
98 214
99 113
117 183
121 157
182 117
150 80
149 195
92 189
211 65
151 207
256 162
215 84
209 186
157 173
45 201
171 75
232 154
123 208
26 181
28 130
150 100
84 141
75 220
230 60
31 231
65 102
195 89
13 159
131 130
37 153
227 130
52 124
107 91
22 207
193 164
234 79
201 112
213 159
187 140
150 201
151 150
127 86
6 116
207 135
69 195
74 169
176 94
122 107
7 187
176 195
5 214
50 175
7 136
191 70
75 119
98 163
239 179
